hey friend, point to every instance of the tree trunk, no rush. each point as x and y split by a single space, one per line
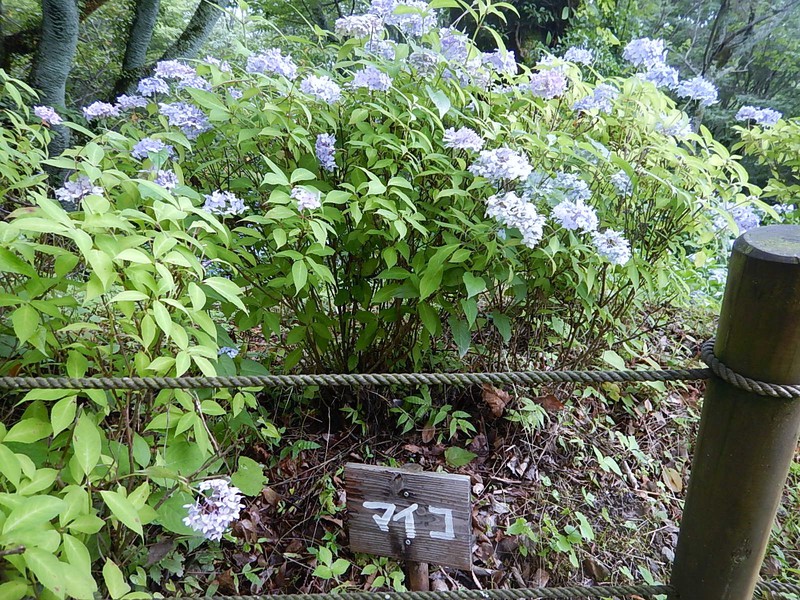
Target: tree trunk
134 62
198 29
53 61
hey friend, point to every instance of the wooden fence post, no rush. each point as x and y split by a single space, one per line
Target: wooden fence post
746 442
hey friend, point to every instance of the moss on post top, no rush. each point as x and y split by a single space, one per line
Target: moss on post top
774 243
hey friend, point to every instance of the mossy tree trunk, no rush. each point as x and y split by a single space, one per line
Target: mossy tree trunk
134 63
198 29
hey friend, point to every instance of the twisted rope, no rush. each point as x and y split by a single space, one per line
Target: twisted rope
410 379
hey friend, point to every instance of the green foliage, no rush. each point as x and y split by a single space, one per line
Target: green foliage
777 148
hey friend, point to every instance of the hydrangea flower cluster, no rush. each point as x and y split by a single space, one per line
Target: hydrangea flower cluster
700 89
322 88
272 62
223 203
622 183
463 138
148 145
371 78
455 45
576 215
678 127
228 351
766 117
212 514
612 245
424 61
190 119
511 210
783 209
166 179
358 26
100 110
501 61
325 148
222 65
48 115
577 55
385 49
126 102
743 215
173 69
547 84
306 199
501 164
75 191
415 20
602 99
644 52
567 186
662 75
150 86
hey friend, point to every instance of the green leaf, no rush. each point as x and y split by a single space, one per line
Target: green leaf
115 581
430 281
11 263
34 512
9 465
429 316
503 325
614 359
474 284
249 477
121 507
461 335
440 100
25 321
87 443
458 457
28 431
14 590
47 569
227 289
299 275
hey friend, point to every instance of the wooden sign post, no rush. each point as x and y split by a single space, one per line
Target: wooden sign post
417 517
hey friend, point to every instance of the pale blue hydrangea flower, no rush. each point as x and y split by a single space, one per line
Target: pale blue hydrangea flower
272 61
48 115
306 199
501 61
547 84
149 86
100 110
424 61
358 26
581 56
195 81
222 65
602 99
173 69
699 89
513 211
501 164
575 215
419 21
766 117
126 102
228 351
622 183
454 44
191 120
74 191
644 52
325 147
212 514
235 93
662 75
612 246
676 126
223 203
743 215
562 186
321 87
371 78
166 179
148 145
783 209
462 139
385 49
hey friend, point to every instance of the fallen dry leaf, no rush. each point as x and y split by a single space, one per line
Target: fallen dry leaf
540 578
271 496
496 399
550 403
672 479
427 433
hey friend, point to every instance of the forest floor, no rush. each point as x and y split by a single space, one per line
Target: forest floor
590 493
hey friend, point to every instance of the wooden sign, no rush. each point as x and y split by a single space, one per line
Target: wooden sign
410 515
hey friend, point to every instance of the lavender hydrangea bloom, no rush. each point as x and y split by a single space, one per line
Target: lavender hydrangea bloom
325 147
564 186
500 61
612 245
211 515
306 200
272 61
195 81
228 351
148 145
222 65
783 209
512 211
424 61
766 117
547 84
371 78
321 87
149 86
74 191
100 110
48 115
384 49
678 127
622 183
416 23
455 45
173 69
581 56
575 215
602 99
743 215
166 179
191 120
358 26
125 102
699 89
235 93
644 52
501 164
662 75
462 139
223 203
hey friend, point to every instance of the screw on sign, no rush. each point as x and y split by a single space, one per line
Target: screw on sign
410 515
